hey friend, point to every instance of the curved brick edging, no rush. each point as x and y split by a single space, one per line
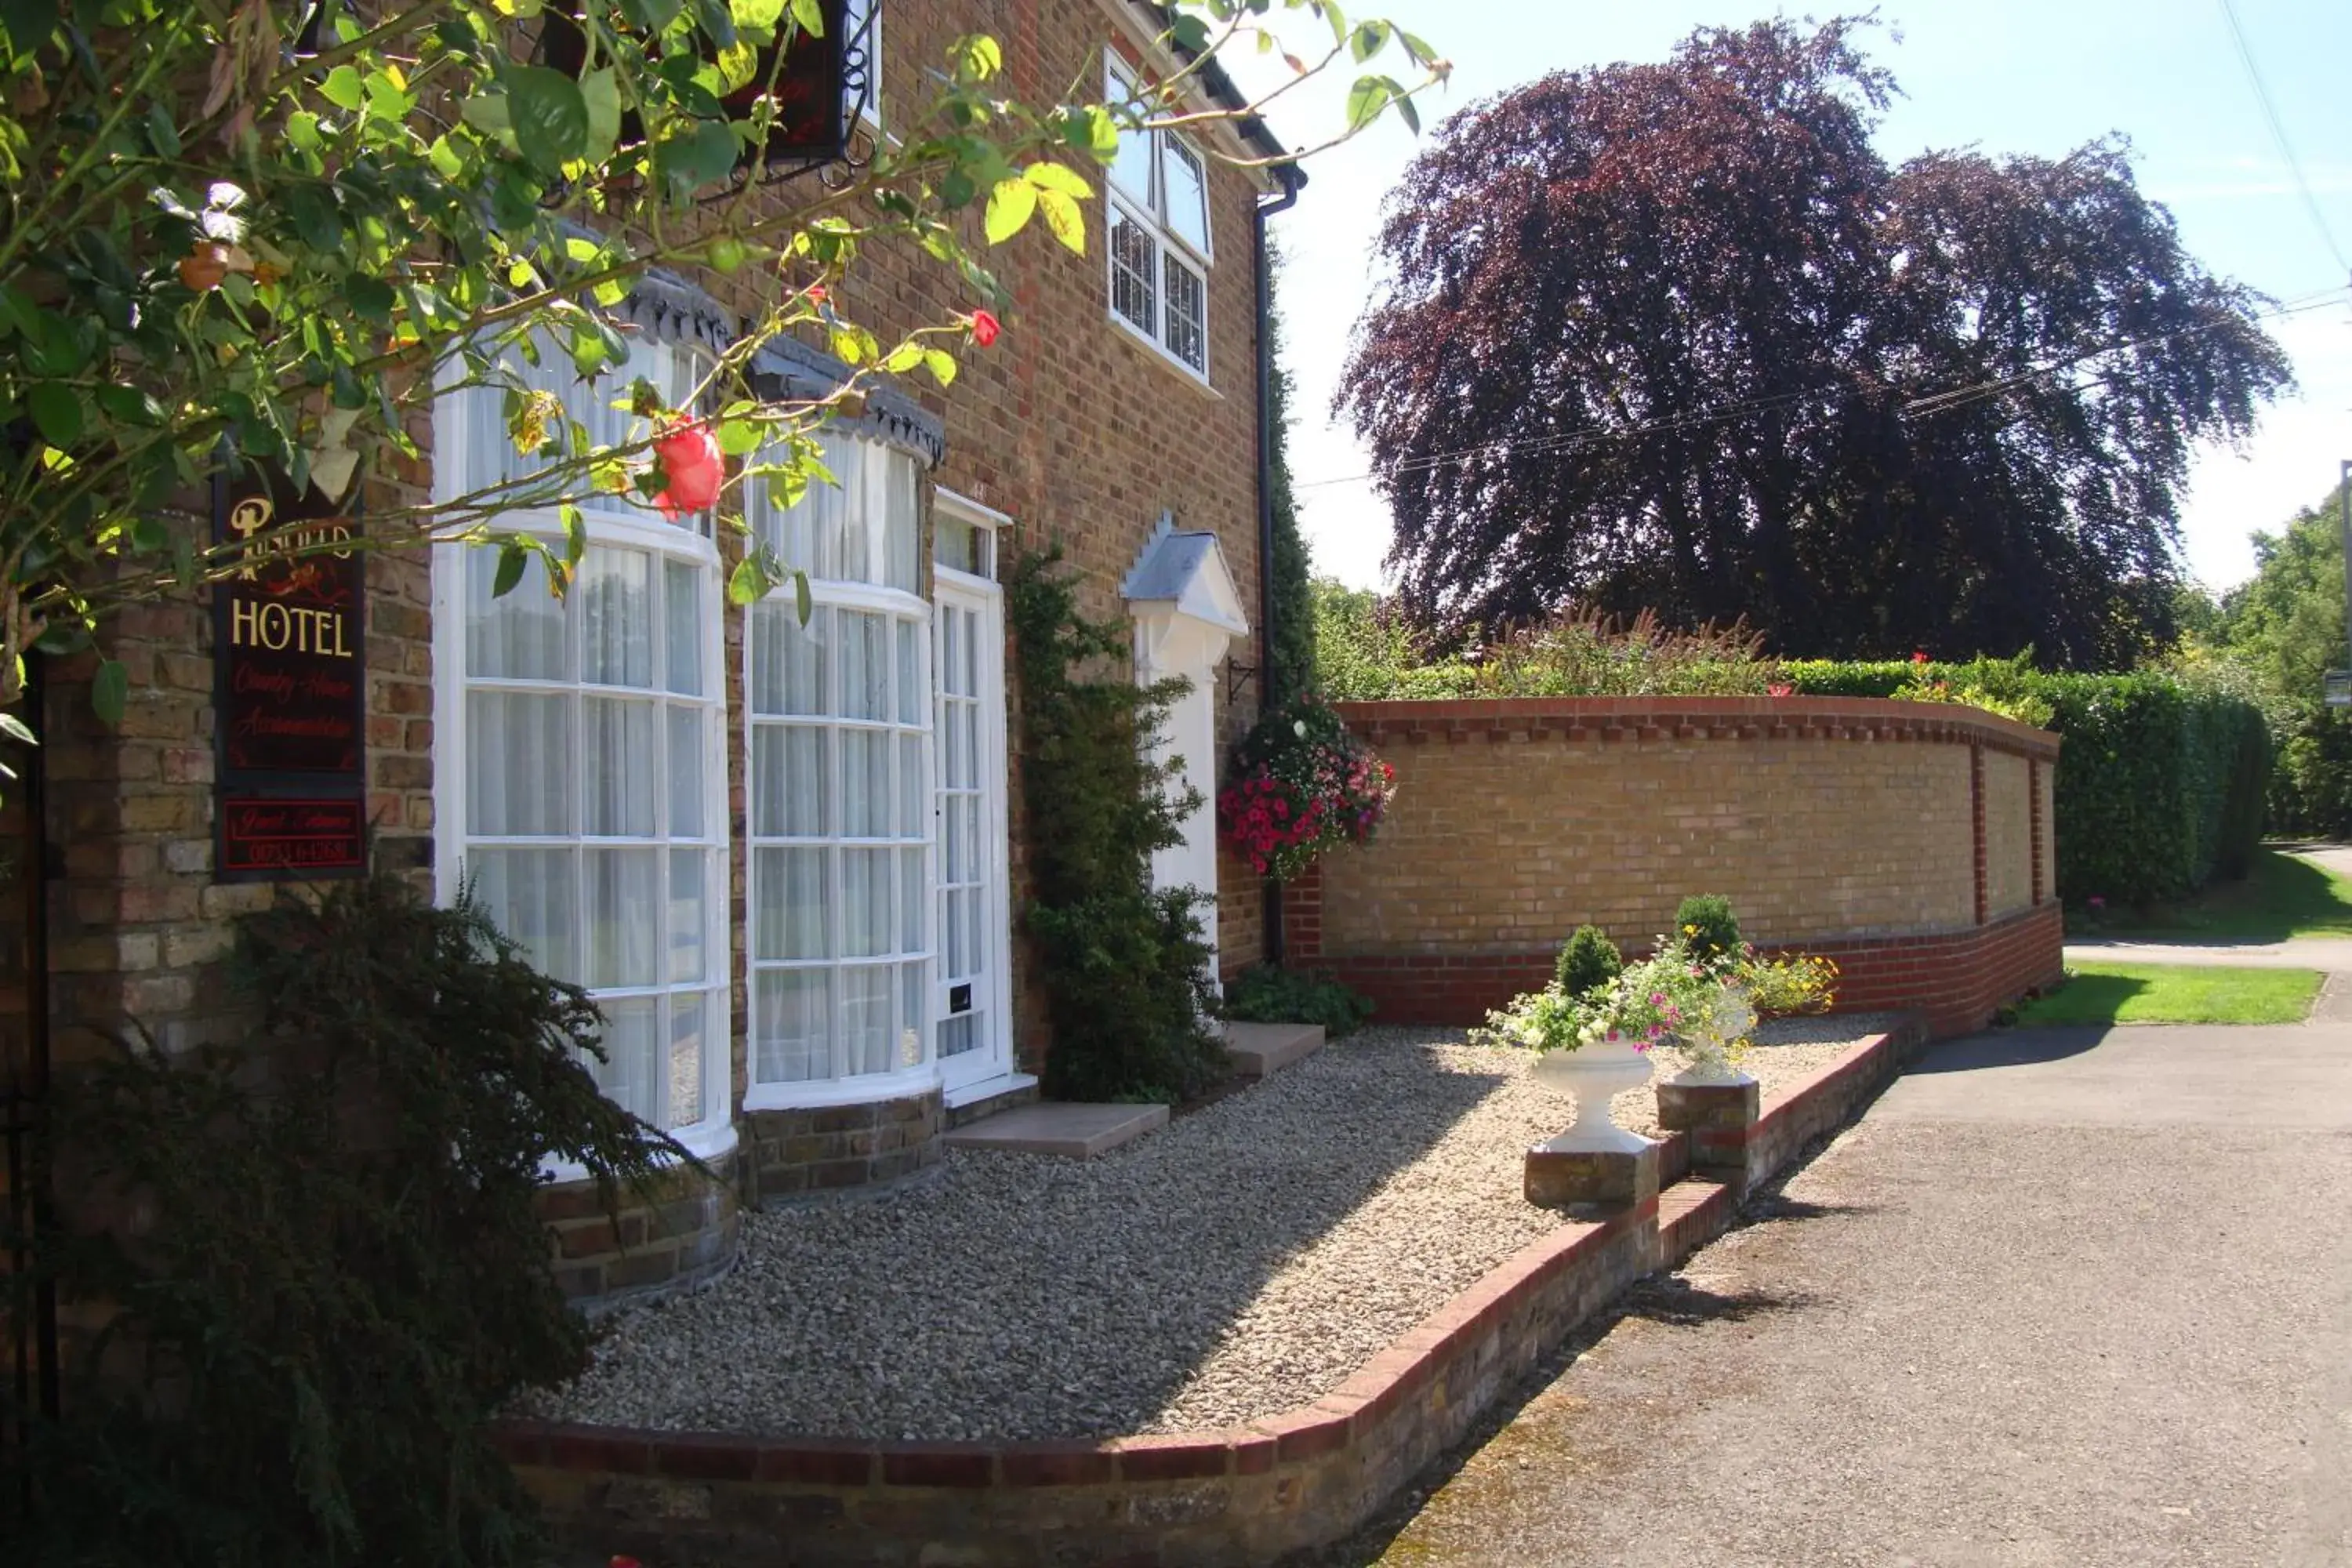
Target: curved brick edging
1246 1494
1957 980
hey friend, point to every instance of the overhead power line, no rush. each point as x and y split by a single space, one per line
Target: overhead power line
2278 133
1927 404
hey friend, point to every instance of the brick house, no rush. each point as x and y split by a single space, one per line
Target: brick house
786 859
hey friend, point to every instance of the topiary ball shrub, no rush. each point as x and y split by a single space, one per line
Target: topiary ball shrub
1710 932
1588 961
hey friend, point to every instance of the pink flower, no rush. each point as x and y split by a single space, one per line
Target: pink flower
984 328
1779 689
692 468
1919 655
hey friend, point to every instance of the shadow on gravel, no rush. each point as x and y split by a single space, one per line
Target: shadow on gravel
1771 1207
2008 1049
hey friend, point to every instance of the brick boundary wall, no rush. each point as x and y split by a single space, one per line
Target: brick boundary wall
1294 1481
1957 977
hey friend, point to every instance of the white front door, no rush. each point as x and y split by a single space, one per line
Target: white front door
975 1035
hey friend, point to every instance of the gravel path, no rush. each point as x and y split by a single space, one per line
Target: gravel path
1243 1262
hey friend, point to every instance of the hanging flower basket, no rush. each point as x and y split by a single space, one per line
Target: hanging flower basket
1301 784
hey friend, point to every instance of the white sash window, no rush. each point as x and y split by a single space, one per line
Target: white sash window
1159 240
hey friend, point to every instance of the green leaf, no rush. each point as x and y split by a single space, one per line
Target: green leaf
1333 15
804 604
512 560
1059 177
1417 50
738 66
15 729
1009 207
600 92
741 437
1367 40
575 533
161 134
748 583
942 364
57 413
904 358
758 17
488 113
1405 111
1064 218
810 15
978 57
551 116
1366 100
699 156
110 690
446 159
1189 32
343 87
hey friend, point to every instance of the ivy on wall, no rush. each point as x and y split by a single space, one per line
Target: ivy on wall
1126 967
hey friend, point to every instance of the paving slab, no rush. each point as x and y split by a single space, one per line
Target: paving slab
1060 1127
1257 1049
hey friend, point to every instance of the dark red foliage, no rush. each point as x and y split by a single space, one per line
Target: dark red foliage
1676 337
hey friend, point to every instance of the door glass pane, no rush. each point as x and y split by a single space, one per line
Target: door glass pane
686 1013
788 664
868 1035
790 918
687 729
687 890
901 518
914 1015
788 777
618 759
952 937
682 627
951 852
533 897
617 631
910 900
624 917
790 1024
911 674
975 945
911 787
523 636
519 763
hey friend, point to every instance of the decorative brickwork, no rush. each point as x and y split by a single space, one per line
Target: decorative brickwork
1246 1494
798 1154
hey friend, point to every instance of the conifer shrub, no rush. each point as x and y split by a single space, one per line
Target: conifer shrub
1588 961
1709 931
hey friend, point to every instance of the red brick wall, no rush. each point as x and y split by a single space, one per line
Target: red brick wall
1854 829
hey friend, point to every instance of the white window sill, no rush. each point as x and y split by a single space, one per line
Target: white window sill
711 1141
1198 380
988 1088
819 1094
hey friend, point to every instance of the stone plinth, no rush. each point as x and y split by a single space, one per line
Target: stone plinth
1720 1119
1593 1185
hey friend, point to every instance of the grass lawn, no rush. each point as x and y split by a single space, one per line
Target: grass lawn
2099 993
2281 898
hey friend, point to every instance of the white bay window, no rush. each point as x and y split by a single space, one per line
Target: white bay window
581 786
838 720
1159 248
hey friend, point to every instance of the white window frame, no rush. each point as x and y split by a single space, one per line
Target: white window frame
921 1076
1150 213
995 770
864 15
712 1135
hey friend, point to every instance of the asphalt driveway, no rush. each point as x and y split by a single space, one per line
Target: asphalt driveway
2067 1297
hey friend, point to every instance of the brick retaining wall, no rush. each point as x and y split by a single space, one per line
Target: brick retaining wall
1909 841
1241 1495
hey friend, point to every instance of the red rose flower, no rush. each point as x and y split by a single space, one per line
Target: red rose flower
693 467
984 328
1919 657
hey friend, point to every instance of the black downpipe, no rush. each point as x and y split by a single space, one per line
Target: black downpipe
1291 178
37 1024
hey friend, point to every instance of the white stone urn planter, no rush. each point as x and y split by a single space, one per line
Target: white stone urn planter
1595 1074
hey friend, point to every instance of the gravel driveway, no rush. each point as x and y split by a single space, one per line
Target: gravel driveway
1244 1261
2060 1298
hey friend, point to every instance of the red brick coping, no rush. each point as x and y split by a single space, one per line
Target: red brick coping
1242 1494
1794 717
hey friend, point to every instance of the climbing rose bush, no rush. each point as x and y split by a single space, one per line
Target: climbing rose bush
1301 784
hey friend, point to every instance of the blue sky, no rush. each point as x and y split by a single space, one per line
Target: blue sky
2026 76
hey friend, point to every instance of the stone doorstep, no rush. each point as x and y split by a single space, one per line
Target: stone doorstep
1059 1127
1258 1049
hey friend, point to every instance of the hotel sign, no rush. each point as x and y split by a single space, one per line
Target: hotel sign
290 686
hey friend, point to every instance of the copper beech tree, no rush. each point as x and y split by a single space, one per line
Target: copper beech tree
1676 337
256 233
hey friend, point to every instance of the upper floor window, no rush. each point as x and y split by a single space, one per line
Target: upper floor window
1159 249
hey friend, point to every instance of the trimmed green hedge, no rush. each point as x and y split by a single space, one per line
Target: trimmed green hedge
2160 786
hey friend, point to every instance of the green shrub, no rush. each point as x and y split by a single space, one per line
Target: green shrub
1588 961
1266 993
336 1276
1710 932
1125 965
